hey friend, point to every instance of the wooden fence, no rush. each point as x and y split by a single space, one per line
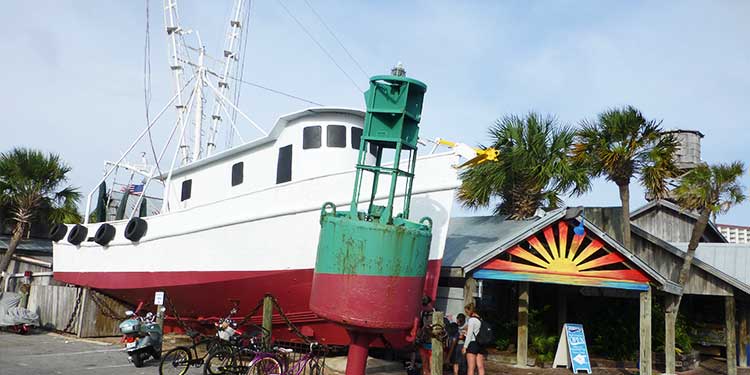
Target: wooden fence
96 315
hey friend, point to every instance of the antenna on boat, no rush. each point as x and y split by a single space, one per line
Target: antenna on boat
231 44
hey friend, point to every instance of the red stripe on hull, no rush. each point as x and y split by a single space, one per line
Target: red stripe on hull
366 301
209 294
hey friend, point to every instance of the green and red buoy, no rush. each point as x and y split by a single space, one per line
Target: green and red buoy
371 265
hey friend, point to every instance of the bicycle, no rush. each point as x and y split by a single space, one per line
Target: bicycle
278 362
237 357
179 359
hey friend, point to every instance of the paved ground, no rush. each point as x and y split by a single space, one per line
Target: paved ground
43 353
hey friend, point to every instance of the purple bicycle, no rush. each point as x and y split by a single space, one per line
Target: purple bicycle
281 361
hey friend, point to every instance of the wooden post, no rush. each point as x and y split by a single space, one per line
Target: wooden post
645 328
523 324
743 336
670 318
436 360
562 308
82 310
268 316
730 333
470 288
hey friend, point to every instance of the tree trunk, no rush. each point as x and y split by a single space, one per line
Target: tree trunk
625 201
695 237
15 239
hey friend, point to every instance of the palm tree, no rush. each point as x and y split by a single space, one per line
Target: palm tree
621 144
32 187
707 190
533 168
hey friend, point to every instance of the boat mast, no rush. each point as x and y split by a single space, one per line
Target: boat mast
230 57
174 33
199 99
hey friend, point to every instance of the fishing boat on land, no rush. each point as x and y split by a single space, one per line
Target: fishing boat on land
236 224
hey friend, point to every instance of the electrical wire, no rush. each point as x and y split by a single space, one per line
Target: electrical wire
319 45
147 84
337 39
277 92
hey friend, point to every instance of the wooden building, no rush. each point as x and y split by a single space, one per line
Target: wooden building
543 250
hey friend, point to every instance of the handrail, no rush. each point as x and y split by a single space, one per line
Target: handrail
124 154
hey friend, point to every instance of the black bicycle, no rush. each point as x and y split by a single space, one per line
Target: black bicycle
178 360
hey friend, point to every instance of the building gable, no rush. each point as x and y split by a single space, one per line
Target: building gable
557 255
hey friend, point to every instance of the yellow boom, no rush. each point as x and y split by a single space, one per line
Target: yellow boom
474 155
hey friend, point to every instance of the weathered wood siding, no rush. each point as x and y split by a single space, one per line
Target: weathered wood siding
671 226
55 304
668 265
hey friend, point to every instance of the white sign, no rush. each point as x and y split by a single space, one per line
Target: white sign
571 349
159 298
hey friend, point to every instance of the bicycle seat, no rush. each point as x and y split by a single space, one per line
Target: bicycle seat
284 350
192 334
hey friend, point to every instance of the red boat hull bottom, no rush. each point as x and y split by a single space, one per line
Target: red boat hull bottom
202 297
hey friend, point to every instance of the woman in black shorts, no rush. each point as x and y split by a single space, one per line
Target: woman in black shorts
475 353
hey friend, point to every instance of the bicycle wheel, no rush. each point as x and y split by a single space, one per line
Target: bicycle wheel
219 361
175 361
265 366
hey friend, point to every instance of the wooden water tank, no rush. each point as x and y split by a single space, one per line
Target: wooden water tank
689 151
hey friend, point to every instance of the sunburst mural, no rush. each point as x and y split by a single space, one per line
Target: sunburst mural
557 255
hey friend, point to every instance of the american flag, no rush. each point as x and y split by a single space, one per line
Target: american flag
134 189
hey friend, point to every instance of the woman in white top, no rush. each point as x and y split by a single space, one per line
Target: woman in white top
475 353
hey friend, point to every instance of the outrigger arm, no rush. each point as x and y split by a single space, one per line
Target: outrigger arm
474 155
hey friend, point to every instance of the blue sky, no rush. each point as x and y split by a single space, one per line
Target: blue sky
72 71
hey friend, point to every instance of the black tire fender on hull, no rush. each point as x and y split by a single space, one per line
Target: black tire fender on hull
136 229
104 234
78 234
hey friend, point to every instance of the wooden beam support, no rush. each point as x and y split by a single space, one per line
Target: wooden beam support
470 288
562 307
743 335
670 319
268 316
436 359
645 328
522 352
82 311
730 334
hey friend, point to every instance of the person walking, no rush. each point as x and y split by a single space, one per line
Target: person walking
455 355
475 353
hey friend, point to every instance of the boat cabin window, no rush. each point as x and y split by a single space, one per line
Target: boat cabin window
238 173
311 137
336 136
284 166
356 137
187 187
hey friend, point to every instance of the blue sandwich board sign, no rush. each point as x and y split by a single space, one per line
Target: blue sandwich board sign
571 350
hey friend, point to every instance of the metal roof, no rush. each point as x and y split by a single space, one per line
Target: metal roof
472 241
31 245
730 258
697 261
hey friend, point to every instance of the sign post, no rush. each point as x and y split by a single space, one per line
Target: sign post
571 349
159 302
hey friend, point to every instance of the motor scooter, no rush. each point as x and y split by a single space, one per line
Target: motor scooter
142 336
